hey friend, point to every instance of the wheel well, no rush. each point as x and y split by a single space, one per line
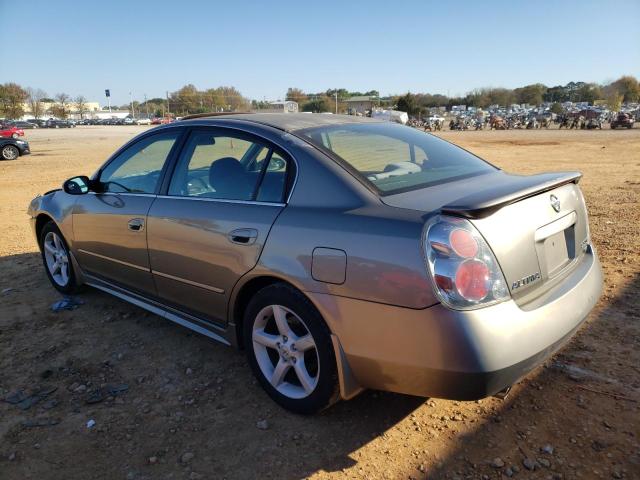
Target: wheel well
244 296
41 221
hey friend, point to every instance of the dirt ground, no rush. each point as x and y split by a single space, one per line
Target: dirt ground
192 407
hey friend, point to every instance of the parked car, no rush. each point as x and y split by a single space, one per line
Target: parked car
156 121
24 125
9 130
36 121
623 120
58 124
341 252
128 121
143 121
11 148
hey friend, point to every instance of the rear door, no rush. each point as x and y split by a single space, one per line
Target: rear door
209 227
109 227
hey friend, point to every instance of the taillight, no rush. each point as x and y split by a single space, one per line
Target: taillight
464 270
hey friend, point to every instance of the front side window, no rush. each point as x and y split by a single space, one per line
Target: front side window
229 167
138 169
393 158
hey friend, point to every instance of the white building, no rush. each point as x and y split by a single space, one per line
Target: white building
287 106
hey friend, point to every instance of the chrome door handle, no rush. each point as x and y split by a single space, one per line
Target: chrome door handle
243 236
136 224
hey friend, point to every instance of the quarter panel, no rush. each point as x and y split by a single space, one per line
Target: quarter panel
384 261
59 206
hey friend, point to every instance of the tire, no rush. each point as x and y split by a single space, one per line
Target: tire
277 363
10 152
64 283
14 135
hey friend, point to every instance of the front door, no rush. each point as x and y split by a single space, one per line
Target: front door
226 191
109 226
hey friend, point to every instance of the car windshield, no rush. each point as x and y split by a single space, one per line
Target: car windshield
395 158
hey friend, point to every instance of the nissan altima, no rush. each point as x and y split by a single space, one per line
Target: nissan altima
341 253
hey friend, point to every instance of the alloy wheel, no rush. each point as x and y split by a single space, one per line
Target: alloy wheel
10 152
286 351
57 258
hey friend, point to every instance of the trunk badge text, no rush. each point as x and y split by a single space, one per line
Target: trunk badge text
525 281
555 203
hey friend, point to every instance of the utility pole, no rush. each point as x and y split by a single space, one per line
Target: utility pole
168 109
133 113
146 105
336 101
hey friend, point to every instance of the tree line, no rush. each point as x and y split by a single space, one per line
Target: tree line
189 100
13 97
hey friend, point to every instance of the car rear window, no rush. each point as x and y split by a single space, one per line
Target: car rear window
393 158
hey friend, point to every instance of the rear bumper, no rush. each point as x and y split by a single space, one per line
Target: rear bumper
438 352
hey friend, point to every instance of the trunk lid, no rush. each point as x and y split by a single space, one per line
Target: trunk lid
536 226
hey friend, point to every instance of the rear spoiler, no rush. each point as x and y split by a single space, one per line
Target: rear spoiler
506 190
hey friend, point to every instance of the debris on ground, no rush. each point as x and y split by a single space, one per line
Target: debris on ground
25 401
40 422
101 394
67 303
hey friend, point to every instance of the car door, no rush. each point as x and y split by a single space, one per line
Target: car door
209 228
109 226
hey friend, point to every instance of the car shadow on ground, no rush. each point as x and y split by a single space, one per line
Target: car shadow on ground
185 393
189 395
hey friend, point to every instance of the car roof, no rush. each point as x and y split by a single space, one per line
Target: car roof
288 122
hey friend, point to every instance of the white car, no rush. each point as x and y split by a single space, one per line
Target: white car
143 121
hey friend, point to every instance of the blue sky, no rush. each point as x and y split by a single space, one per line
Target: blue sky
261 48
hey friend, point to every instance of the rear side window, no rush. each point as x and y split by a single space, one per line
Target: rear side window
229 167
394 158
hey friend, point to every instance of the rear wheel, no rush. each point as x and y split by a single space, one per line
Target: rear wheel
289 349
56 259
10 152
14 135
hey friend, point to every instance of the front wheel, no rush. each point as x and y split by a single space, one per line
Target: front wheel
57 260
289 349
10 152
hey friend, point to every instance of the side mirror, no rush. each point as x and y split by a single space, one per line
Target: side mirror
76 185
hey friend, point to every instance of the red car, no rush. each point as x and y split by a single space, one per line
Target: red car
11 131
623 120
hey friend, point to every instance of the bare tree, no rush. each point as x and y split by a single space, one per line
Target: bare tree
35 98
61 109
81 105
